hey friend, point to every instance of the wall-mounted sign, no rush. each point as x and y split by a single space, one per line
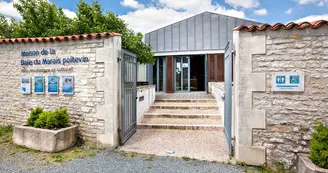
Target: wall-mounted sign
26 85
68 85
53 84
38 84
288 81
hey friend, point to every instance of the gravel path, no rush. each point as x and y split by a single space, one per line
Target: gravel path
117 161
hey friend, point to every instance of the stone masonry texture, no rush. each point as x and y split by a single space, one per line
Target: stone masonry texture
290 116
15 107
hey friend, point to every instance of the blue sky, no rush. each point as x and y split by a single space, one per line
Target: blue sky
147 15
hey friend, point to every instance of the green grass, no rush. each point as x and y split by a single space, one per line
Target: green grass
6 133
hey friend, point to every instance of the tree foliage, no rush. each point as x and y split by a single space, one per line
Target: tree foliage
41 19
319 146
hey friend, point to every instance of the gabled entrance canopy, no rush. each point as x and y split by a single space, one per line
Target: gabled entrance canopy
204 32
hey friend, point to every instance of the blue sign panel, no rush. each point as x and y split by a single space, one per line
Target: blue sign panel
53 84
68 85
280 79
38 84
288 81
294 79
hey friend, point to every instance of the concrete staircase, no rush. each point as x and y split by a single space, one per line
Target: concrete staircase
200 114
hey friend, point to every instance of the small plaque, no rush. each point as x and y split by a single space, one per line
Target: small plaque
39 84
288 81
26 85
68 85
53 84
142 98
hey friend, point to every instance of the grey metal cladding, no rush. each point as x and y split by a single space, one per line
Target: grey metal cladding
153 41
231 25
160 37
215 42
147 39
168 38
199 32
191 34
207 30
183 35
176 37
240 22
223 31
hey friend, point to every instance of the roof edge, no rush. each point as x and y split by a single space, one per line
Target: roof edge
59 38
277 26
197 15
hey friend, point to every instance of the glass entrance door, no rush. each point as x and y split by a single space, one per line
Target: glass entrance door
182 73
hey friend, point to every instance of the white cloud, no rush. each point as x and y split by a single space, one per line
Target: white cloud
261 12
289 11
132 4
166 12
321 3
303 2
243 3
69 14
7 9
313 18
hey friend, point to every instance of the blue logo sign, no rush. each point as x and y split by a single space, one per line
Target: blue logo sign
294 79
280 79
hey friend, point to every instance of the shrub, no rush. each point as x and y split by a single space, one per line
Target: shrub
58 119
34 115
319 146
41 122
52 120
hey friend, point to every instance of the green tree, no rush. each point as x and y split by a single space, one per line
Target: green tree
41 19
92 19
4 27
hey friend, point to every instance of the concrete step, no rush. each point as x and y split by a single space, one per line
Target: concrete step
174 113
186 101
181 124
189 106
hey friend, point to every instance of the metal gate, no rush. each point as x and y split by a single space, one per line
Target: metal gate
228 96
128 95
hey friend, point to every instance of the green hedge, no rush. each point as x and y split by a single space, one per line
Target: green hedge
319 146
48 120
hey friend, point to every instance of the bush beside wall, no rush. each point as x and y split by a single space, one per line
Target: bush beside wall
319 146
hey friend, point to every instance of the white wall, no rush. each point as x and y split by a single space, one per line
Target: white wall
148 92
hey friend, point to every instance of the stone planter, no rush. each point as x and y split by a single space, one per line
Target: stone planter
44 139
305 165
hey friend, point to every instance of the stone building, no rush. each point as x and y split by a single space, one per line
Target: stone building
90 59
274 125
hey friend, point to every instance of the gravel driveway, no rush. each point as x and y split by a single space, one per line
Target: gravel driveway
121 162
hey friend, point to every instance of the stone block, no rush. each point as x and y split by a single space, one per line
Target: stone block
44 139
305 165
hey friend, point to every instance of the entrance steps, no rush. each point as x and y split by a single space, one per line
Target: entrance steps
201 114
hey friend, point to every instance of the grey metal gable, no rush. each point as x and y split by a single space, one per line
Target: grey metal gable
205 31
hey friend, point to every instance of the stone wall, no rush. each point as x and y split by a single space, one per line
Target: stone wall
94 105
289 116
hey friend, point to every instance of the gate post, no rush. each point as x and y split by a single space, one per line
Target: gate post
108 111
246 82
